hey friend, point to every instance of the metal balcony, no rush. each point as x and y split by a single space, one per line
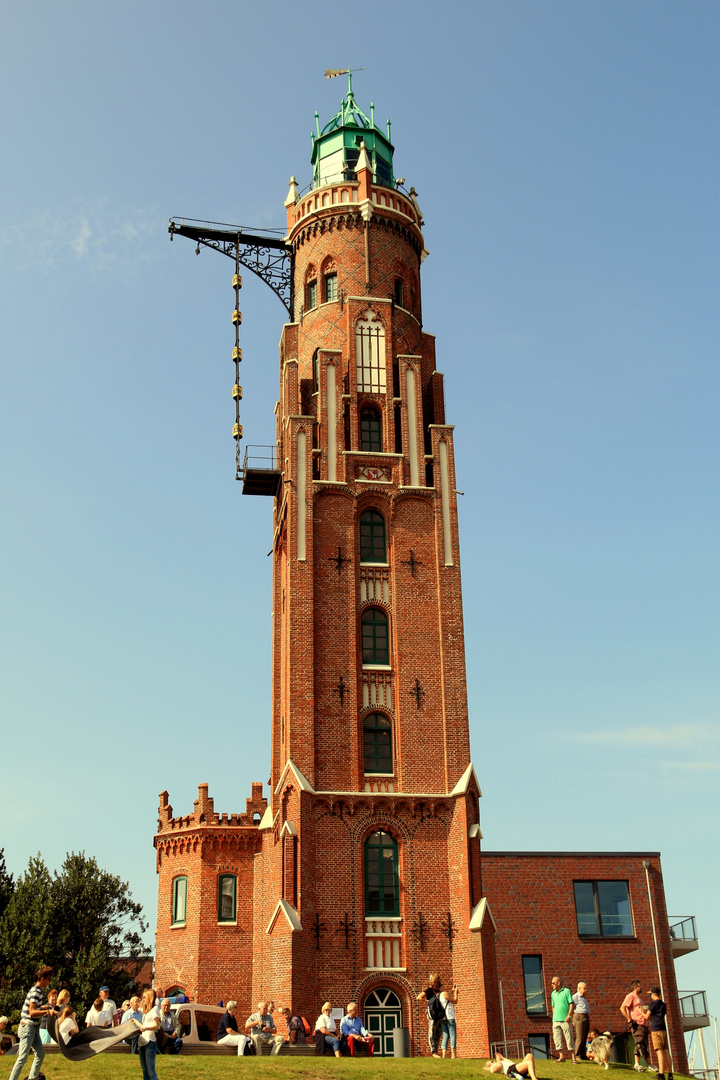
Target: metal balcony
260 474
694 1010
683 936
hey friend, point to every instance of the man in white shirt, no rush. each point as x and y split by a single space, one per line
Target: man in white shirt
108 1003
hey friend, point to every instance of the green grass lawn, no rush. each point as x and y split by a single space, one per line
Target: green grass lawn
122 1067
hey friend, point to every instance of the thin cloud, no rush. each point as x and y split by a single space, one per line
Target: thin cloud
100 237
675 735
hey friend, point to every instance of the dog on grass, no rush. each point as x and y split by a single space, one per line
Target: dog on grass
599 1048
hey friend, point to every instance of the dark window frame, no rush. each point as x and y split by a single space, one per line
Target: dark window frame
373 538
374 642
227 918
312 294
384 904
601 931
541 1008
372 728
175 889
371 431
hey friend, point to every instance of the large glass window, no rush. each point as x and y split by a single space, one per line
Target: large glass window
602 909
227 898
375 637
370 350
534 987
377 742
371 430
382 890
179 901
373 547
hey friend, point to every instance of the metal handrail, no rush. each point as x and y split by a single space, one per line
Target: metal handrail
684 929
266 460
689 1002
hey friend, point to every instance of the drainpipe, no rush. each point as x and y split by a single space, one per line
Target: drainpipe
502 1013
646 867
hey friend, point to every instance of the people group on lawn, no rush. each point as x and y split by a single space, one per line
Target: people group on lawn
156 1029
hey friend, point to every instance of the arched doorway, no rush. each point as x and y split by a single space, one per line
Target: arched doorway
382 1012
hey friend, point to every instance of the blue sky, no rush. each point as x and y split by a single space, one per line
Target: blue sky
566 159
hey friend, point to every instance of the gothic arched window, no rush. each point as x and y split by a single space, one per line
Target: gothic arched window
373 545
375 637
371 430
382 886
377 744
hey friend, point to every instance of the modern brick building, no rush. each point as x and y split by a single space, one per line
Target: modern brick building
362 870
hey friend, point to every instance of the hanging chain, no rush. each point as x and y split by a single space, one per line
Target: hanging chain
237 357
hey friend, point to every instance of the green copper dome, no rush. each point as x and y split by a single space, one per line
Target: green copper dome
337 147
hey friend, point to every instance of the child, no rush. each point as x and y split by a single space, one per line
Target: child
658 1032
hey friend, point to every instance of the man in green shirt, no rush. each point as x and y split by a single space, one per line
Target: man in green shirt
562 1010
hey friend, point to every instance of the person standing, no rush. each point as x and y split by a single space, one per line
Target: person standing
108 1004
656 1014
633 1009
133 1013
581 1020
147 1042
449 1030
562 1010
29 1029
435 1011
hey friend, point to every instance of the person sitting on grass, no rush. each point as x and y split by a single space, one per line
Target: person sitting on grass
514 1071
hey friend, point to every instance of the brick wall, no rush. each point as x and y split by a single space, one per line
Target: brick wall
532 899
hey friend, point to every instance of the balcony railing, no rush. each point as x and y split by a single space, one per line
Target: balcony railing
694 1010
683 936
260 474
384 944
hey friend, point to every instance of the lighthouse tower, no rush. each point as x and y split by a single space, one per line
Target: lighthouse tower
361 872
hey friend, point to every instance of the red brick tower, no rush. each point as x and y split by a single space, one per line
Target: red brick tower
366 863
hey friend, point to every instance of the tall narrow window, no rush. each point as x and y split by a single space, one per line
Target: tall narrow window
370 349
534 987
227 898
382 888
375 637
371 430
398 292
377 742
312 294
331 292
316 371
373 546
179 901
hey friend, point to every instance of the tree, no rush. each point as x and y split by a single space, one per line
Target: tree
94 922
7 885
81 921
25 941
